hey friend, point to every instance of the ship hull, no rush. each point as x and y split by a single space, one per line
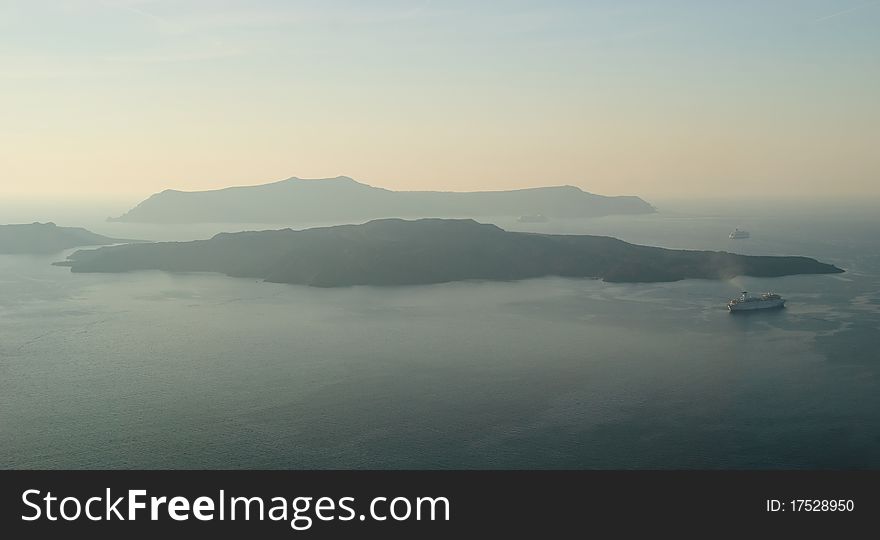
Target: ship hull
756 306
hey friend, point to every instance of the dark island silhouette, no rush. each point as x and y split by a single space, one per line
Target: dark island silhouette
46 238
344 200
425 251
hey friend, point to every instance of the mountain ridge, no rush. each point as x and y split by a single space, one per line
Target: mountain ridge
45 238
344 199
426 251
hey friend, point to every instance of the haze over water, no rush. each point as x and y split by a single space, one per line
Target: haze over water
160 370
104 102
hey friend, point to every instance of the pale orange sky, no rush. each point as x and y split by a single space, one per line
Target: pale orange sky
126 98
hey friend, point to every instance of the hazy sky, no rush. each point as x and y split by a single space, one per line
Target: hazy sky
129 97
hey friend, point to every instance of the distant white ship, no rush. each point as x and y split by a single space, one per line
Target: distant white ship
750 303
533 218
739 235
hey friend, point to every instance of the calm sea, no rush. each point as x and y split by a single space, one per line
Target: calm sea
154 370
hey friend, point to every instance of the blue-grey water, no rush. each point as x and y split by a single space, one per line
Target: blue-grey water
156 370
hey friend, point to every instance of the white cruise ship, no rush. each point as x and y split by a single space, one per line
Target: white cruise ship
750 303
739 235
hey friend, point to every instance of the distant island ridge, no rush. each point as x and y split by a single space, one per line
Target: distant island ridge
426 251
46 238
347 200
